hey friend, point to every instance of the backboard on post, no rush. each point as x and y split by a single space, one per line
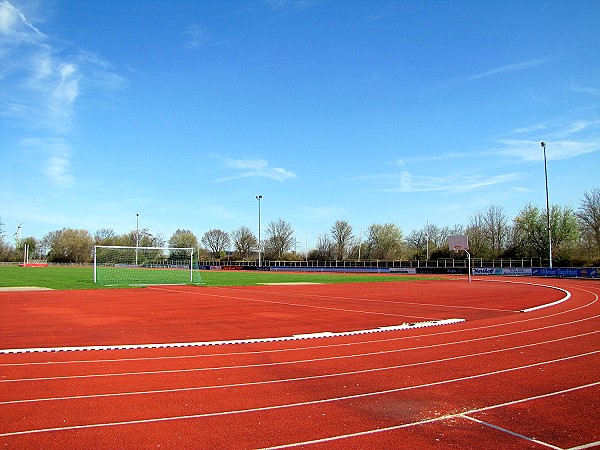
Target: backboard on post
460 242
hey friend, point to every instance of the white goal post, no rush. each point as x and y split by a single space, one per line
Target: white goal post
143 266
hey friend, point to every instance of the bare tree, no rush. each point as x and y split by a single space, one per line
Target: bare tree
105 236
216 241
496 228
141 238
244 241
488 232
280 238
341 233
324 248
589 220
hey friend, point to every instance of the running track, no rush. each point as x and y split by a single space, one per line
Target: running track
500 379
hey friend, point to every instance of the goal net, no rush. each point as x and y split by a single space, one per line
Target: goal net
142 266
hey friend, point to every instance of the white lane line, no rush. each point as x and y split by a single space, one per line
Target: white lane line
334 399
436 419
584 446
504 430
301 361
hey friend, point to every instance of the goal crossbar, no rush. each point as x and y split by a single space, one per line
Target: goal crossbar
116 265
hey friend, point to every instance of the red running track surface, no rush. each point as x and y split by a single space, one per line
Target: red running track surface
500 379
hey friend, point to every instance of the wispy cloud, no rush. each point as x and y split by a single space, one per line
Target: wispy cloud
291 4
195 35
454 183
530 129
55 156
408 182
586 90
15 26
258 168
528 150
41 87
509 68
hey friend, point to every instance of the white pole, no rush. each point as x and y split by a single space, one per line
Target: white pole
469 264
259 197
192 266
137 237
95 265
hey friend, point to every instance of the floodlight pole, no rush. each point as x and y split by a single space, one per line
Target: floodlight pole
137 236
259 197
543 144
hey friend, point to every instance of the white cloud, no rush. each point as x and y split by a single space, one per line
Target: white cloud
586 90
195 35
509 68
15 26
66 92
42 84
580 125
55 156
528 150
407 182
256 168
530 129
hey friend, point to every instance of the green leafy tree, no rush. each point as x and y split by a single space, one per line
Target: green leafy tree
384 241
530 232
183 239
69 245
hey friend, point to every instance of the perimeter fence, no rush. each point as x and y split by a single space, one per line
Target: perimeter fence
406 263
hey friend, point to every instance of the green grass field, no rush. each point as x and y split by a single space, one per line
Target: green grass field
82 277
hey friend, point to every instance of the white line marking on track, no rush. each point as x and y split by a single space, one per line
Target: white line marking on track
302 361
436 419
283 380
584 446
329 439
398 302
335 399
504 430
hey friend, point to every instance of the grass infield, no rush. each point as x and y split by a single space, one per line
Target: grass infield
55 277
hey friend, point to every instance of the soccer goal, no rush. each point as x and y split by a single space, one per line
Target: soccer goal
143 266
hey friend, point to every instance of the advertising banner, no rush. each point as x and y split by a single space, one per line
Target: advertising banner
517 271
487 271
405 270
567 272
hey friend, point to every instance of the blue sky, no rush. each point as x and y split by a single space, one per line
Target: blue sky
371 112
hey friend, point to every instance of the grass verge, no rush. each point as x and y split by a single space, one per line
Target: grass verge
68 278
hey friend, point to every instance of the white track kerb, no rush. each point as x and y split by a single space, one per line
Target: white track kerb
405 326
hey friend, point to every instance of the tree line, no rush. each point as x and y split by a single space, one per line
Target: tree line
575 237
